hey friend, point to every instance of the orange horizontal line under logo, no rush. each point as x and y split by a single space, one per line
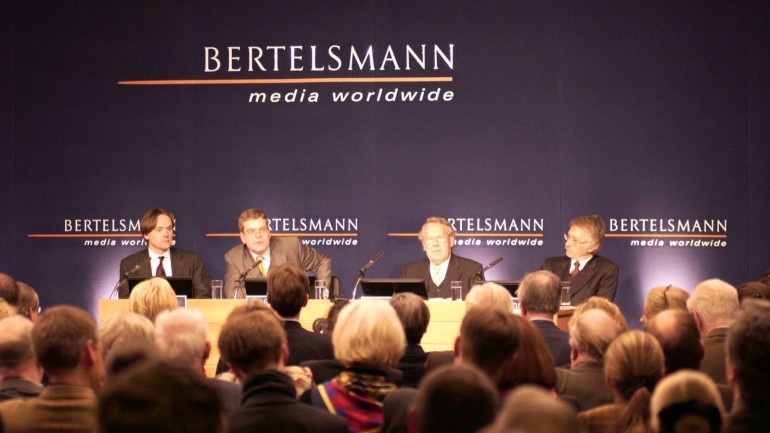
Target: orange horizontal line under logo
487 235
84 235
231 81
651 235
304 235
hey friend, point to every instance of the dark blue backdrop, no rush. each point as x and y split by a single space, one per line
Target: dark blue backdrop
652 110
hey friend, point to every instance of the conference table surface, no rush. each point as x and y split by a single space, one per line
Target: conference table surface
445 318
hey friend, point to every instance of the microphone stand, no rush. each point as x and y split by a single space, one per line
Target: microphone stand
362 272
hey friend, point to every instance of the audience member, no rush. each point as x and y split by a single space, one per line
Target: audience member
540 297
67 347
440 267
253 343
686 401
152 296
533 364
753 290
6 309
489 294
748 357
9 290
161 258
20 373
632 366
182 338
590 335
29 302
368 338
287 294
325 325
123 326
531 409
455 399
588 273
259 252
663 298
713 304
596 302
157 397
415 317
679 337
127 354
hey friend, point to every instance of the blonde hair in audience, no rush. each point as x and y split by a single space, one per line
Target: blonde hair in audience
489 294
368 334
123 326
680 387
664 298
633 364
597 302
152 296
6 309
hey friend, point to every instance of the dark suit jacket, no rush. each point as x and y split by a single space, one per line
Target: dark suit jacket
437 358
713 362
556 340
585 383
412 365
305 345
269 404
184 264
395 410
599 277
282 250
460 269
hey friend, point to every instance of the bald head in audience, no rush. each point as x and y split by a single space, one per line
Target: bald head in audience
678 335
20 373
531 409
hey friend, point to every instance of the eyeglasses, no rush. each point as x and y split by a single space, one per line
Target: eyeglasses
573 239
435 240
252 232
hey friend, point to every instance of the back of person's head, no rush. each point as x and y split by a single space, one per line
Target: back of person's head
413 314
531 408
489 294
325 325
633 366
152 296
123 326
455 399
714 301
252 340
181 336
540 293
60 335
29 302
748 353
533 364
287 289
155 396
16 349
368 335
489 339
597 302
678 335
686 394
592 332
663 298
9 290
753 290
127 354
6 309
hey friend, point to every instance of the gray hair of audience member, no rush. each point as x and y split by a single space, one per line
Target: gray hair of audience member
29 302
600 303
714 301
16 348
181 336
592 332
489 338
8 289
413 314
531 408
368 334
152 296
685 386
489 294
678 335
540 292
155 396
748 353
455 399
123 326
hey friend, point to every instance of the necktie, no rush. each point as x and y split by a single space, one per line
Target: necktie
262 269
436 274
576 270
159 272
